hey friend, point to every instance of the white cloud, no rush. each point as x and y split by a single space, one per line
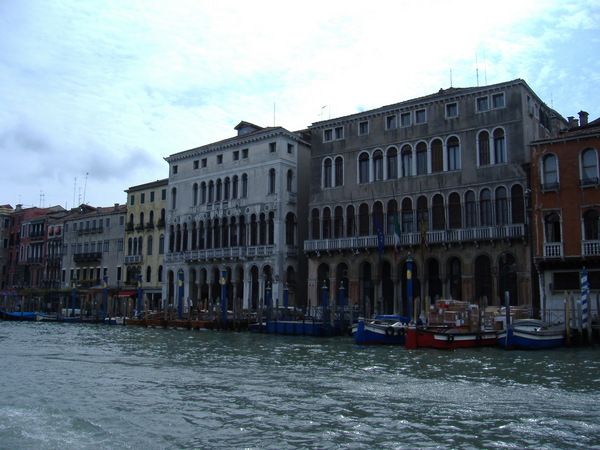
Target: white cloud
110 88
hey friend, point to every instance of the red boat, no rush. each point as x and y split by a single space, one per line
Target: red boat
442 337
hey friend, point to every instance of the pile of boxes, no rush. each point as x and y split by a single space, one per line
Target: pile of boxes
469 317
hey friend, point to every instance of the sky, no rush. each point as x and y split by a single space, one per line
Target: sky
95 94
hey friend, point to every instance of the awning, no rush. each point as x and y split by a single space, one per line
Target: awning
126 293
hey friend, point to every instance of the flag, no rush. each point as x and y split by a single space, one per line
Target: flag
397 233
380 236
423 235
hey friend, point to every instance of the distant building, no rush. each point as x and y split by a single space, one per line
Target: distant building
449 172
93 246
145 239
565 179
5 221
237 207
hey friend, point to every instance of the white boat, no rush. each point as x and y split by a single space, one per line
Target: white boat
382 329
531 334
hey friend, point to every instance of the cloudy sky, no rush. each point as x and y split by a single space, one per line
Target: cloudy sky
94 94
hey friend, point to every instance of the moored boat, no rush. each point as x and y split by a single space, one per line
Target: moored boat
449 338
46 317
531 334
382 329
18 316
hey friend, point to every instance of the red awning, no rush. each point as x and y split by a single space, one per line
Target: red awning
126 293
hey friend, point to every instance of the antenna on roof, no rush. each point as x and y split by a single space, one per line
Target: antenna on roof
450 77
85 186
74 190
477 69
484 69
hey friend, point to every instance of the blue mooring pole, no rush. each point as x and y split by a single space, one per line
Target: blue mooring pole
180 296
104 296
268 301
409 283
139 294
342 301
224 297
286 299
73 297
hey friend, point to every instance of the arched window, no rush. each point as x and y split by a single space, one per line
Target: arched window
174 198
378 221
219 190
203 192
422 213
161 244
226 189
350 221
454 211
437 156
290 180
407 216
272 181
327 173
501 206
392 163
392 216
363 168
148 274
552 227
421 158
339 171
453 148
406 161
499 146
316 224
326 223
244 185
470 210
234 187
589 167
160 274
290 229
483 147
591 225
195 194
378 165
550 172
517 203
211 191
338 222
437 211
149 245
485 205
363 220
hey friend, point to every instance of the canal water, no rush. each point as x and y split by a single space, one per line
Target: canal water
75 386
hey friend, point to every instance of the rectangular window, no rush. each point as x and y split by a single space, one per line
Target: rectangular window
363 128
120 245
107 222
339 132
451 110
203 163
163 194
391 122
245 153
106 246
420 116
132 200
142 198
498 101
405 119
272 147
121 220
290 149
219 159
483 104
327 135
152 197
175 169
196 164
236 155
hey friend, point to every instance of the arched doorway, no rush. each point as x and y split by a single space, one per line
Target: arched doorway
434 287
387 289
367 290
454 272
483 279
507 278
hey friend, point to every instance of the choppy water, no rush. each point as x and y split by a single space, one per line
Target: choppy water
77 386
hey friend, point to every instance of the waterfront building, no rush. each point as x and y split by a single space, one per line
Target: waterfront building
5 220
236 217
434 187
93 246
566 217
145 239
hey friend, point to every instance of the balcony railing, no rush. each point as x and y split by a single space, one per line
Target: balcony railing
433 237
553 250
220 253
133 259
590 248
87 257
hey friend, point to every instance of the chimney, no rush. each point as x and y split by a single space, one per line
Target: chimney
573 122
583 118
116 206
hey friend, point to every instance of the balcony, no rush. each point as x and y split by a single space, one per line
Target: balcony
590 248
221 253
133 259
553 250
87 257
93 230
434 237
